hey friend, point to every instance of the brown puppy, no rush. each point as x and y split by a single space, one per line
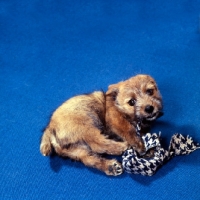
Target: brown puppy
86 126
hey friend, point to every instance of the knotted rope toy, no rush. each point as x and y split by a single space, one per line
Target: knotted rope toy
179 145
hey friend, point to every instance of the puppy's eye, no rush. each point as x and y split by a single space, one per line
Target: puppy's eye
149 92
132 102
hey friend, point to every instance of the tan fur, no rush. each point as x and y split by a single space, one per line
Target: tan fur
80 128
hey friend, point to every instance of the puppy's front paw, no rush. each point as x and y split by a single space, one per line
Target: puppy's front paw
149 154
141 152
118 148
114 168
121 147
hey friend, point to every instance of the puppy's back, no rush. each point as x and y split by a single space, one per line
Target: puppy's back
81 104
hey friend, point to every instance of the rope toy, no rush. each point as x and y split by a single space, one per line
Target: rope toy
179 145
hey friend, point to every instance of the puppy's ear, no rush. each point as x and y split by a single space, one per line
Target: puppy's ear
113 91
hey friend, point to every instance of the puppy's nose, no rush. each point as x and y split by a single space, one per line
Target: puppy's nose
149 109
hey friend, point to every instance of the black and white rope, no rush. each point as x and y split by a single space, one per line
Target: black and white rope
179 145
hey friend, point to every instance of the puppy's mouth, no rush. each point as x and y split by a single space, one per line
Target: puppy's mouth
151 117
154 116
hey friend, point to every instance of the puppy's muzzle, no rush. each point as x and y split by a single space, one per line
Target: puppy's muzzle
149 109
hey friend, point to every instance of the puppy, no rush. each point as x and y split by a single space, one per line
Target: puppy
87 126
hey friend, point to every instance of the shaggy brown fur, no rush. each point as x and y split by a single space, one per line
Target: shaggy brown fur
86 126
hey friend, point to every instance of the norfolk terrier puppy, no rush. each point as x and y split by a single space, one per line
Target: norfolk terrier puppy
87 126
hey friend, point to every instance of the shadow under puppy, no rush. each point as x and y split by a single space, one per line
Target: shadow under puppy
86 126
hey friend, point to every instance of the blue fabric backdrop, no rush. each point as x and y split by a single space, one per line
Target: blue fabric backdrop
51 50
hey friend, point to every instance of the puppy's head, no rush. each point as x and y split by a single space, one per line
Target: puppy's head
137 97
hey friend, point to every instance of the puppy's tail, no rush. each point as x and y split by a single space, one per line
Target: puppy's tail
45 145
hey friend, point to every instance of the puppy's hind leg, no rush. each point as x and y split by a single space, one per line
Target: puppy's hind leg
110 167
90 159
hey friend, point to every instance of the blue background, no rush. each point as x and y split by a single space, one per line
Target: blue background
51 50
